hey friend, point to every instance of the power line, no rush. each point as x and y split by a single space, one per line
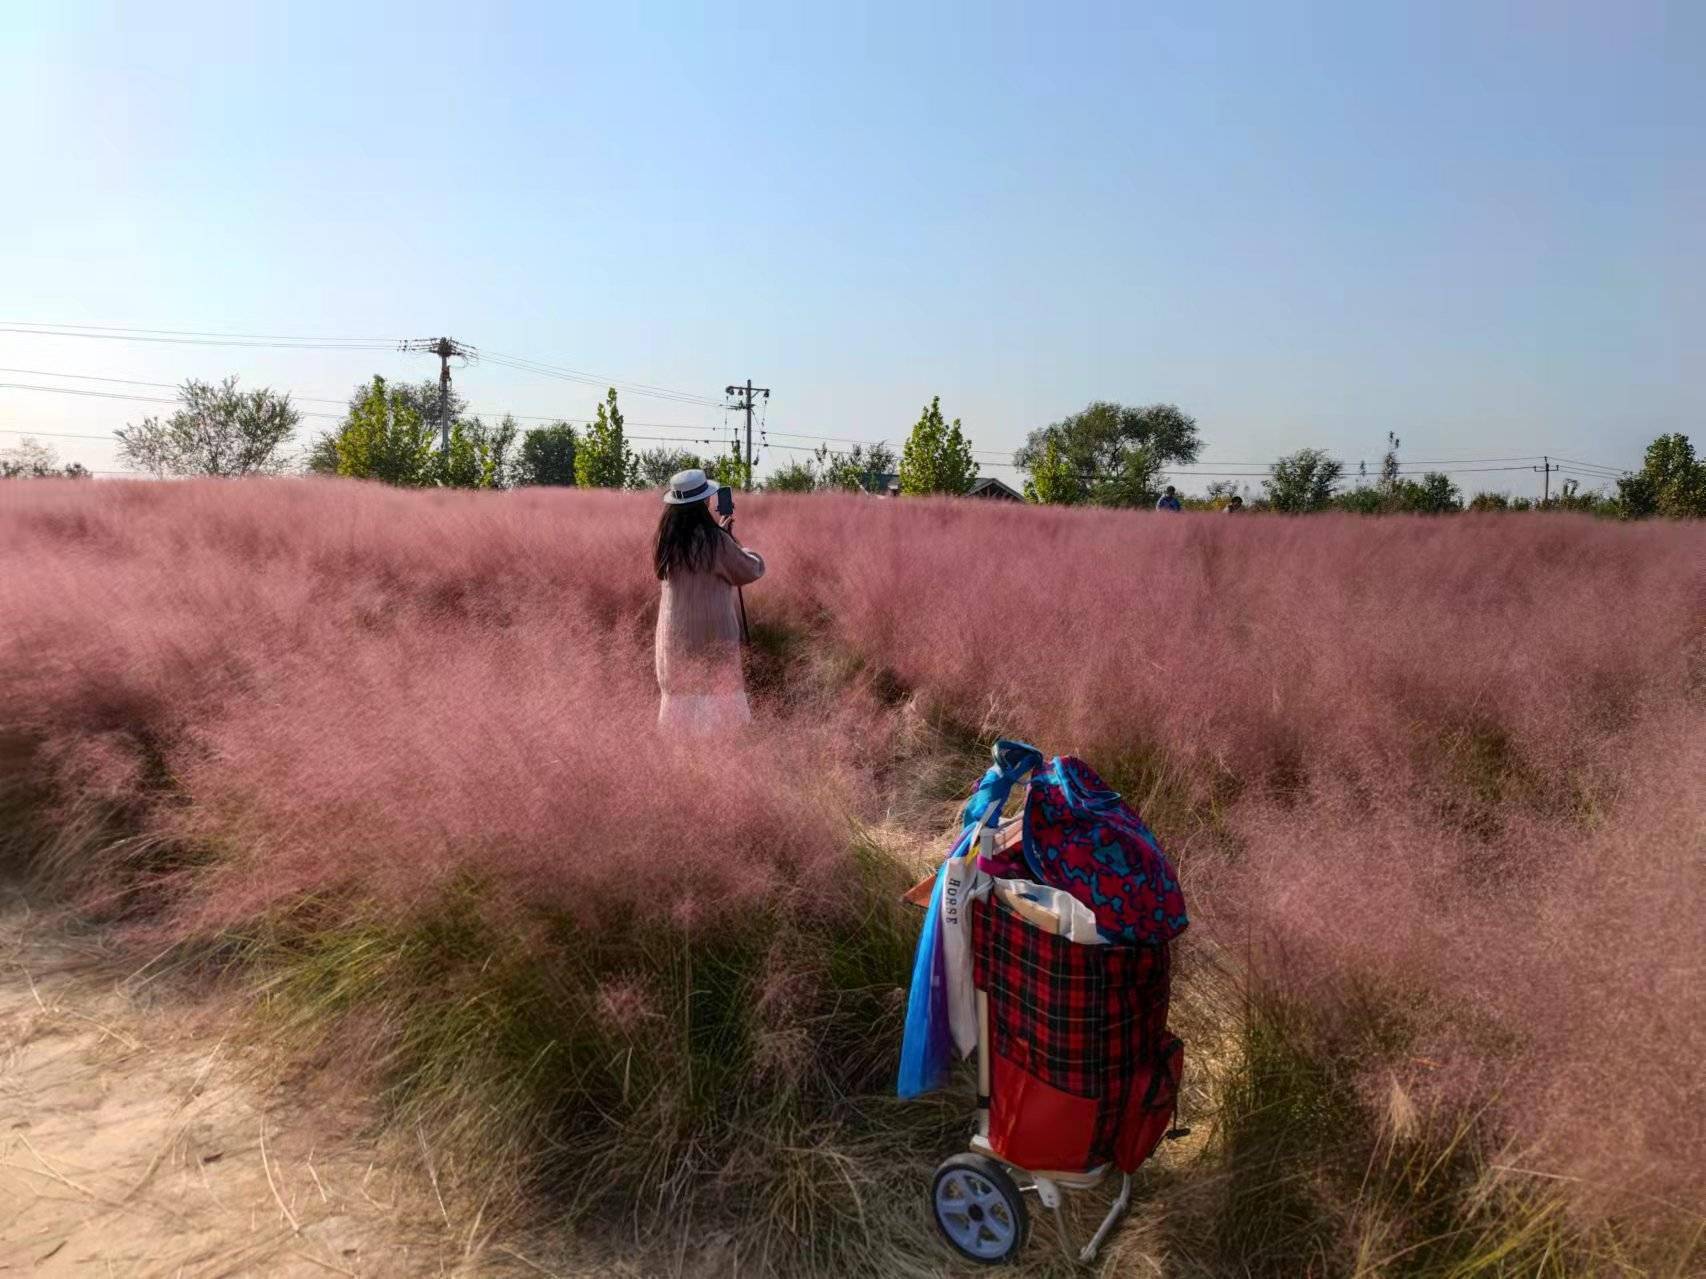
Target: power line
139 399
321 399
1598 466
90 377
198 337
583 421
78 390
1207 475
34 325
1407 468
1004 453
131 381
304 399
199 341
52 435
841 439
644 390
1176 468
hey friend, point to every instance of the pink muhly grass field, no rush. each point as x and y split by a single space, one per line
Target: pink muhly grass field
1458 757
354 688
1330 646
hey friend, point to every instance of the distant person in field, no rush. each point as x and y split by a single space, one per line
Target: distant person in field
1234 505
701 567
1170 500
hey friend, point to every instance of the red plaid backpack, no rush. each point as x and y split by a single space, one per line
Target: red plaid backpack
1083 1070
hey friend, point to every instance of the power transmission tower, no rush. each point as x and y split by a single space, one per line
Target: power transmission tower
443 348
746 393
1546 469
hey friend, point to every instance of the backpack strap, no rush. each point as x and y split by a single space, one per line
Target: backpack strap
1013 760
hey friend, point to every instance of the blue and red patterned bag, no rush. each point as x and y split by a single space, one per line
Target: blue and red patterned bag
1081 836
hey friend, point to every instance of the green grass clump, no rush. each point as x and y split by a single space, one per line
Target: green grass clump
1308 1173
651 1083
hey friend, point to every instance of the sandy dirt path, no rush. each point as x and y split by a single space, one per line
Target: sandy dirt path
134 1143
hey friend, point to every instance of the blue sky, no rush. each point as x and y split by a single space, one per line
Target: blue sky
1479 225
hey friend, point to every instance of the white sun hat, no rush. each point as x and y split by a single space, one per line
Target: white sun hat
688 486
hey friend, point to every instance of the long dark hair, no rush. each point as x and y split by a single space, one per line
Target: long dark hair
687 539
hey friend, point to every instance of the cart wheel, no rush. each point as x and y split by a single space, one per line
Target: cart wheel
979 1210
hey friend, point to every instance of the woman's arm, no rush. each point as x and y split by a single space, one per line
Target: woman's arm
735 564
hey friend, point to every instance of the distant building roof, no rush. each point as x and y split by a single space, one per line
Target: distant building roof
882 483
887 484
990 487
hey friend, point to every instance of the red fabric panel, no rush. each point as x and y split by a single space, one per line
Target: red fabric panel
1037 1126
1153 1101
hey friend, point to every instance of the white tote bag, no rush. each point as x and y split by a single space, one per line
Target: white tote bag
963 884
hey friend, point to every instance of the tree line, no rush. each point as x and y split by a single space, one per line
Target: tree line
1106 454
1670 484
32 460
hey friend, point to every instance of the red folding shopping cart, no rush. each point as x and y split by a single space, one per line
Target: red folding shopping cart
1078 1076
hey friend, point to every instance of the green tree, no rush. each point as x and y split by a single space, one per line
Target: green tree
423 397
478 457
654 468
421 400
1304 481
322 458
384 437
501 455
1366 500
1490 502
730 468
1593 502
937 457
795 477
1671 482
1053 481
1433 494
218 431
547 456
1389 464
1107 454
602 458
460 466
860 469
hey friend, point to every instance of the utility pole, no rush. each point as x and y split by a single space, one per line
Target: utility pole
443 348
1546 468
746 393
